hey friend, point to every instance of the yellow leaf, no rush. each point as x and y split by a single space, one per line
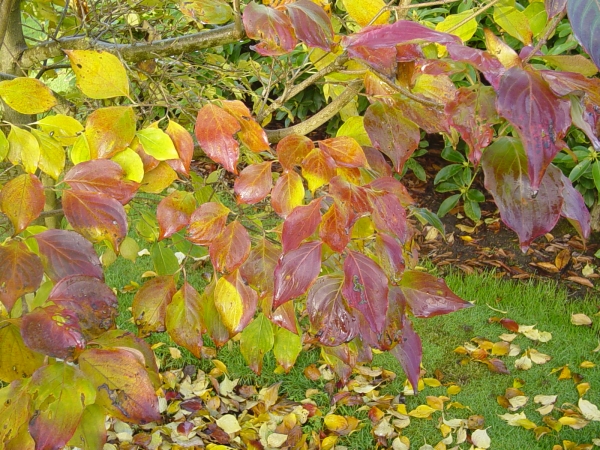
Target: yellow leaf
131 163
228 302
587 365
229 423
537 357
589 410
23 148
465 31
453 390
401 409
333 422
435 402
432 382
580 320
582 388
514 22
576 423
158 179
99 74
500 348
27 95
422 412
175 352
328 442
523 363
363 11
565 373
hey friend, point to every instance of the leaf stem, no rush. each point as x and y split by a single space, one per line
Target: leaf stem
550 28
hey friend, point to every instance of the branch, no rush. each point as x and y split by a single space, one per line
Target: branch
321 117
7 76
134 52
550 28
295 90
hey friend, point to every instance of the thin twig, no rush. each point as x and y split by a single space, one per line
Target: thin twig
552 25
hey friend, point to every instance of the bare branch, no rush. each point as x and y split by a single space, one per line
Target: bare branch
5 7
314 122
134 52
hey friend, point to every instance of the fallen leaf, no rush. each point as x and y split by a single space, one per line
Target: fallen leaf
500 348
508 337
523 363
497 366
587 365
582 388
453 389
517 402
565 373
576 423
422 412
589 410
587 270
229 424
276 440
537 357
545 399
547 409
518 420
581 280
562 259
481 439
580 319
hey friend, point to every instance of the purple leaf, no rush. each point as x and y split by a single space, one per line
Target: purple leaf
574 209
311 23
528 103
409 352
554 7
530 213
584 16
300 224
272 27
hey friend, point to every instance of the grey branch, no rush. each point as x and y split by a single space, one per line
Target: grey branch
134 52
314 122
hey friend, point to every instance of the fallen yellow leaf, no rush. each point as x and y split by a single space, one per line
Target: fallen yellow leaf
587 365
576 423
422 412
580 319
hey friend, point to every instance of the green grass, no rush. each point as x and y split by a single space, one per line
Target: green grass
544 304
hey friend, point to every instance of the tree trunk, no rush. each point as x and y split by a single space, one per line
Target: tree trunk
12 44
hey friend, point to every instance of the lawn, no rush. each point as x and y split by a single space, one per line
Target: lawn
448 369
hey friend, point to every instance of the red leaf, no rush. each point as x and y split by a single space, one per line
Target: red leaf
103 176
285 317
526 101
329 315
207 222
564 83
409 353
292 149
383 38
272 27
428 296
390 256
353 199
487 64
96 216
377 162
252 135
394 321
260 265
174 213
311 23
53 331
287 193
334 228
392 133
496 365
318 168
296 271
366 289
300 224
90 299
575 209
510 325
21 272
214 130
149 307
389 215
345 151
254 183
472 113
184 144
230 249
504 165
22 200
109 130
184 319
122 384
65 253
393 186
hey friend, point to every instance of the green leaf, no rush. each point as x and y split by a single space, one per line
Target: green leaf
80 152
256 340
164 259
447 187
475 195
62 128
354 126
596 174
60 393
538 18
417 169
449 154
157 143
447 172
472 210
426 216
448 204
514 22
91 431
464 31
287 347
99 74
27 95
214 12
579 170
